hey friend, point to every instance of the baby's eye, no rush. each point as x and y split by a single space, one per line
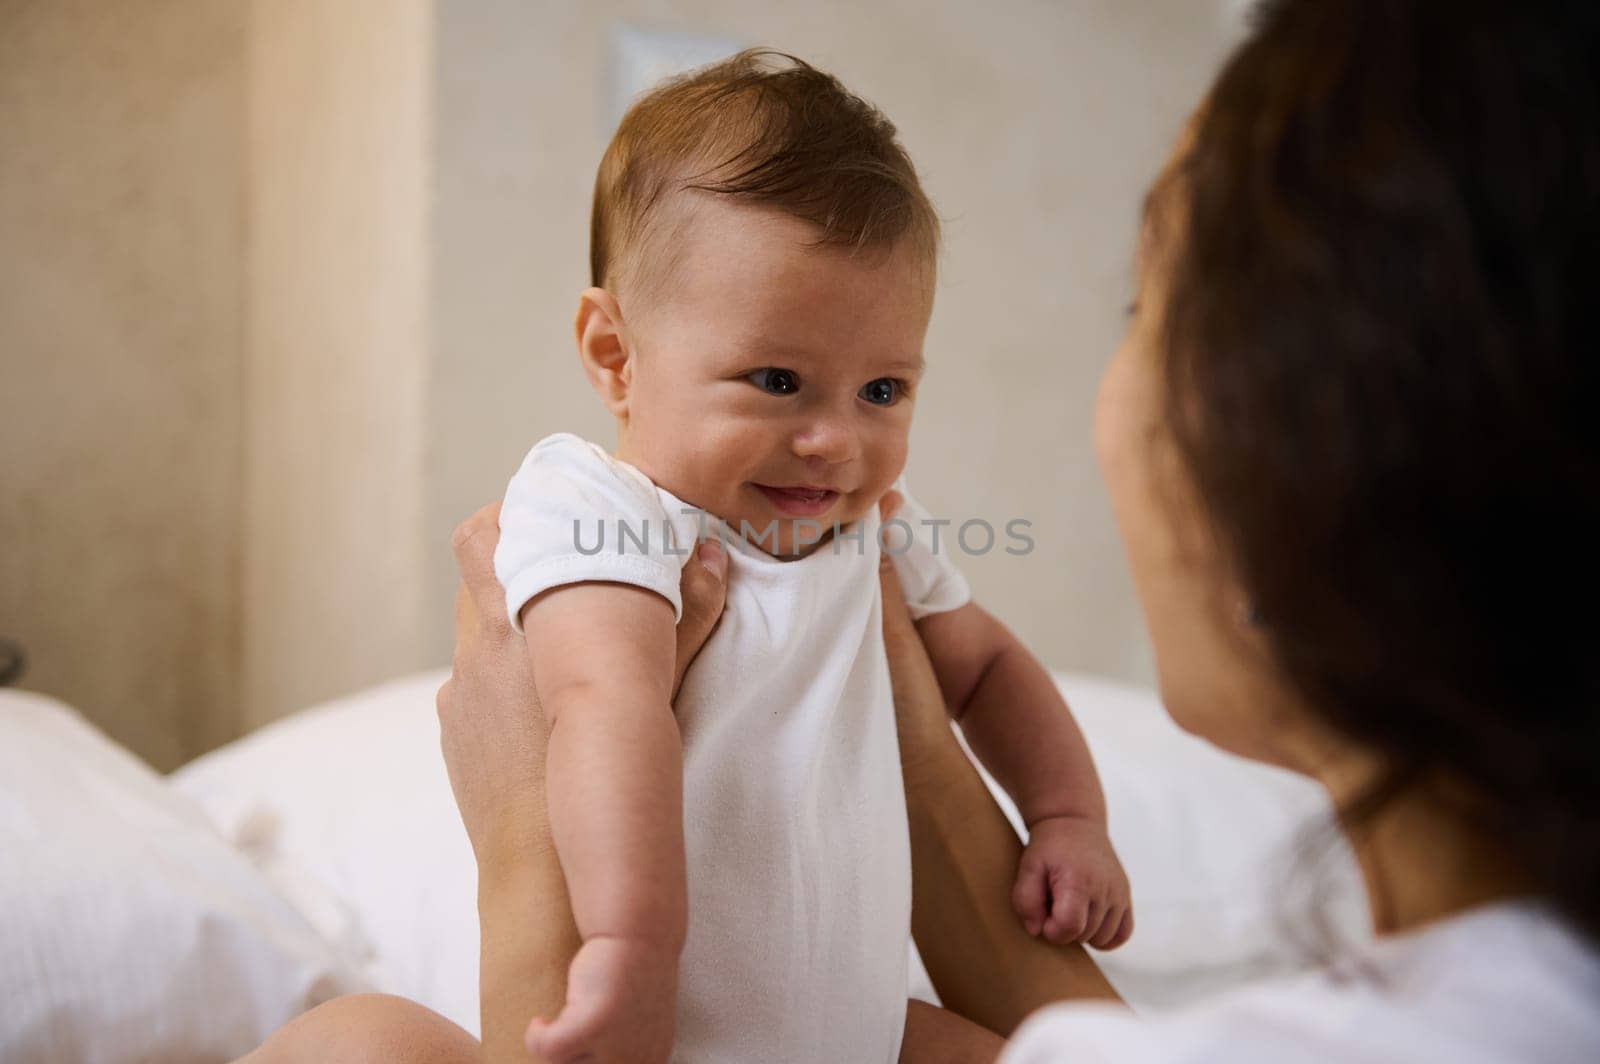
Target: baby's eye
881 392
775 381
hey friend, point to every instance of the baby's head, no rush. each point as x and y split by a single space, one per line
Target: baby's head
763 261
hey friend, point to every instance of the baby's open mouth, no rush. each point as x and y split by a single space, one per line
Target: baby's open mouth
801 500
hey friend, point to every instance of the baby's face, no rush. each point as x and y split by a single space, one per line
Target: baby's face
774 382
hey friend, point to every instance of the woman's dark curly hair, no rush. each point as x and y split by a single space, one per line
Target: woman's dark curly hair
1379 348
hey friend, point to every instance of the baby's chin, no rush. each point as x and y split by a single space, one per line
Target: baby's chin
797 539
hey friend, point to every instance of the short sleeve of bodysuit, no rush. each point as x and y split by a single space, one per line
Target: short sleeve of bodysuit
923 551
561 521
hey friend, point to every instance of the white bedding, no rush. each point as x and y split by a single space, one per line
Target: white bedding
345 866
348 808
129 931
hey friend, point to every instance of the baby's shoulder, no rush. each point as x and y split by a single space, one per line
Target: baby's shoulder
564 472
561 450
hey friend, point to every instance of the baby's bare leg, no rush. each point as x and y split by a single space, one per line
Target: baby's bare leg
367 1029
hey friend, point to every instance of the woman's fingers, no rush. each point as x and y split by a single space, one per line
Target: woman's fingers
910 671
704 588
474 542
899 630
921 719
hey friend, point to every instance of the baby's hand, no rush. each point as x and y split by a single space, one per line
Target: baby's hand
1070 885
621 1005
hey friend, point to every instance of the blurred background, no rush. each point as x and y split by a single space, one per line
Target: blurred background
286 291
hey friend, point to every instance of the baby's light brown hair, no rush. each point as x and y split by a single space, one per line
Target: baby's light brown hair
766 129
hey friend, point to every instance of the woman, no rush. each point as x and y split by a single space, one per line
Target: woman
1348 445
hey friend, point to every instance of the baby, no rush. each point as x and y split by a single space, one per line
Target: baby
763 262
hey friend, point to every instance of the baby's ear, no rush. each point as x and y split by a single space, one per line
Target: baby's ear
603 348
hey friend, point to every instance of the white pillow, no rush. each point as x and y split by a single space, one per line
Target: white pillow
128 930
348 807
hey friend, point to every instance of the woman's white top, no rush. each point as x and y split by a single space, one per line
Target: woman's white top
1501 983
799 869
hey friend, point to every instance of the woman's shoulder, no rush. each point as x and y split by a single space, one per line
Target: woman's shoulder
1507 982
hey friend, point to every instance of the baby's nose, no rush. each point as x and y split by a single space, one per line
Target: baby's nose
827 439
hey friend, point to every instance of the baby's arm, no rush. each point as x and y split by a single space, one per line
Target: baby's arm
1070 885
602 656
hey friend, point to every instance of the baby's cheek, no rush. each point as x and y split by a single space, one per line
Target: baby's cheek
855 508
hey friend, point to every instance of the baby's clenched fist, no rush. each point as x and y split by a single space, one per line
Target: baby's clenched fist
1071 887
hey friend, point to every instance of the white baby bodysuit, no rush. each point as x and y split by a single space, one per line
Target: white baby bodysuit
799 871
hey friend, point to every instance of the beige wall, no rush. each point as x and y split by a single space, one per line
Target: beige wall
1035 125
121 361
337 337
213 308
286 290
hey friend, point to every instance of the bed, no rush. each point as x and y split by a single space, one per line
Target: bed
181 918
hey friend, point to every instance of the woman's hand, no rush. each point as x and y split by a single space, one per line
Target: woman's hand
921 718
491 727
494 735
964 856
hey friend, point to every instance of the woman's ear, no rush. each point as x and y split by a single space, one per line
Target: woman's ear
604 348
